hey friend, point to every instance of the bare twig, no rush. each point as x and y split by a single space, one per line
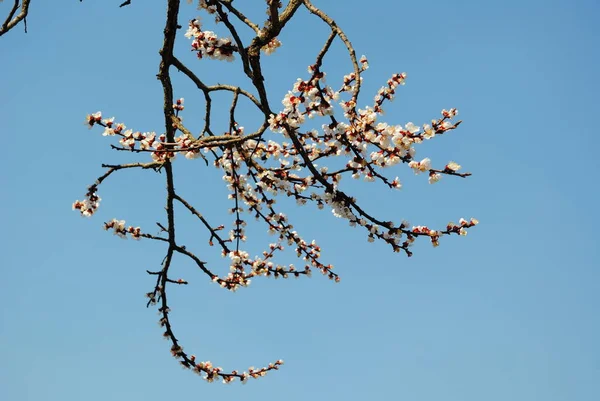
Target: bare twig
12 20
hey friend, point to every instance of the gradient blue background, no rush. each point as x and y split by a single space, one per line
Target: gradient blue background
508 313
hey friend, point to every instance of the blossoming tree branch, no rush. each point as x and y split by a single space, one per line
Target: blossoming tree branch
280 158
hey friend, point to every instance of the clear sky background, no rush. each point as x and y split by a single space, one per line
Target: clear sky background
508 313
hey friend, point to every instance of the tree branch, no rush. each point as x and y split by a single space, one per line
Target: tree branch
12 20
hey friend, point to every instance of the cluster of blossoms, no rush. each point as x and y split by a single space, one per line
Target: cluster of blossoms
119 229
251 191
255 171
388 92
390 144
208 44
185 143
305 100
212 373
372 145
243 267
206 369
461 227
434 175
178 106
349 82
134 140
90 204
270 47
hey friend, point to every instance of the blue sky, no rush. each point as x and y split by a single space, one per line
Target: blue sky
509 312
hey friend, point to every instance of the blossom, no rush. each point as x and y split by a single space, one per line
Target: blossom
364 63
108 131
434 177
421 166
428 131
91 119
178 104
413 129
128 141
148 140
449 113
193 28
207 43
118 227
453 166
